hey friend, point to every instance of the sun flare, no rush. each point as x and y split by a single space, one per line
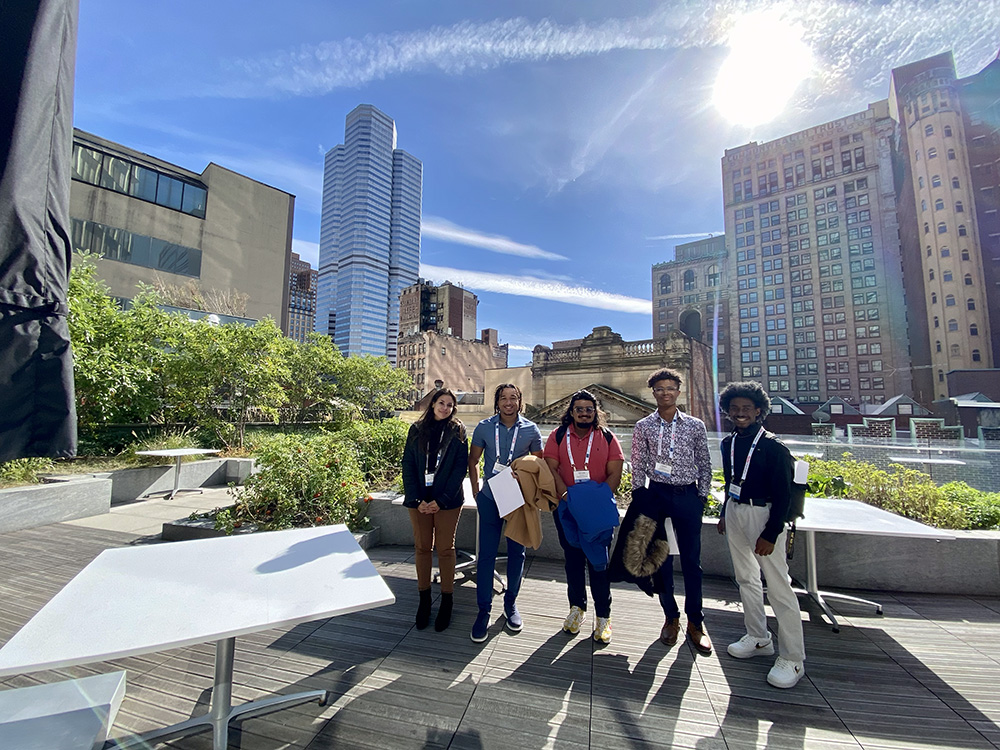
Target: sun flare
768 59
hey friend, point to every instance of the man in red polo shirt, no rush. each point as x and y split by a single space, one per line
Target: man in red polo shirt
583 449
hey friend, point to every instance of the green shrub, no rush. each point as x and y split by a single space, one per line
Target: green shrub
981 508
25 470
379 445
303 482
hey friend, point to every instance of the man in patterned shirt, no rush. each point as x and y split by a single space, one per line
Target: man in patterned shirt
670 452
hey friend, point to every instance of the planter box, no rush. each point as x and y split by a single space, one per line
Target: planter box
64 500
204 528
969 565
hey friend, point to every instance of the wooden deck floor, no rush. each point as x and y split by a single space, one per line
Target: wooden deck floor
925 675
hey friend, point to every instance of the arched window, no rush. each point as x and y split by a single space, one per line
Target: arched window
928 130
962 231
712 276
942 227
976 356
937 322
932 153
952 325
968 281
930 275
949 300
955 183
923 205
946 276
939 204
936 181
965 254
951 154
947 131
933 298
970 304
959 208
665 284
920 181
927 228
973 329
937 346
689 281
945 252
955 350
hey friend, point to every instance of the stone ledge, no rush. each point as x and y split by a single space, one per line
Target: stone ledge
42 504
185 529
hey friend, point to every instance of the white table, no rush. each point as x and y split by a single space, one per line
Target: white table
138 600
177 454
838 516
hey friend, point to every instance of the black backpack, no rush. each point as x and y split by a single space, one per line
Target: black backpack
561 433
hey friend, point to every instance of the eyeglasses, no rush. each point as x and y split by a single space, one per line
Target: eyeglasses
584 410
661 391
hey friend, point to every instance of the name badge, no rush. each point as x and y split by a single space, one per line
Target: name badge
662 468
734 491
498 467
581 475
429 479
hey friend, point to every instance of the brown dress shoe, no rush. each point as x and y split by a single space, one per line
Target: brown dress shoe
670 630
699 639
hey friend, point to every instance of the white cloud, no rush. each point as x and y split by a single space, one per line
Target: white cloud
308 251
693 235
527 286
520 348
444 230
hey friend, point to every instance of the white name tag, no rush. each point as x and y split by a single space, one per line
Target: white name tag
734 491
429 479
662 468
581 475
498 467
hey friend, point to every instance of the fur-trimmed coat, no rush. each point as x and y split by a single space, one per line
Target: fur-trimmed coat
642 546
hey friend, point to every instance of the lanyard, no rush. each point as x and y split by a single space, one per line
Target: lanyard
513 440
569 453
431 468
746 464
673 438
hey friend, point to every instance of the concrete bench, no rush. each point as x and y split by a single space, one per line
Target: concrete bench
71 715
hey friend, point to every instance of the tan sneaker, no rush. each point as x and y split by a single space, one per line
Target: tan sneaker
574 619
602 633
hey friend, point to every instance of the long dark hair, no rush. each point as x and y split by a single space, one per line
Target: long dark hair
427 418
499 390
600 419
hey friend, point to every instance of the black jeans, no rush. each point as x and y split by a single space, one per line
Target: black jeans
685 509
577 567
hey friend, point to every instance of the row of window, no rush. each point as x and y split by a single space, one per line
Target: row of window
138 249
123 176
936 182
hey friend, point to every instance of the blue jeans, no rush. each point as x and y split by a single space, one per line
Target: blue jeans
490 530
685 508
577 566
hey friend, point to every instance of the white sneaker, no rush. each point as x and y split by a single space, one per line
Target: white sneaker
748 646
574 619
602 632
785 673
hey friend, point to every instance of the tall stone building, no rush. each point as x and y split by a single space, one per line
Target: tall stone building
447 309
369 247
948 155
814 256
302 281
459 364
689 295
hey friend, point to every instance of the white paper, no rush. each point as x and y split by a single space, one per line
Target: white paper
801 472
506 491
672 538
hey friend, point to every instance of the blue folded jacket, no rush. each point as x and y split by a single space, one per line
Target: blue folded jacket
589 516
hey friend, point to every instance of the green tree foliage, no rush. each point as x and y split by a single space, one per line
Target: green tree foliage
312 385
373 385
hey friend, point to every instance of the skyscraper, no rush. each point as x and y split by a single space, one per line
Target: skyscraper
369 245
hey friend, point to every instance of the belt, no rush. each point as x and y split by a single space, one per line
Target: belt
677 488
753 501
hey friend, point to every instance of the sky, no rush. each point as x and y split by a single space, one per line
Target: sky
566 147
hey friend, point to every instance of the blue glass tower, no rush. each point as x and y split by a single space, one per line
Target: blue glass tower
369 243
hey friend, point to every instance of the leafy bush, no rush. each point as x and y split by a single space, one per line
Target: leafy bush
24 470
981 508
379 446
302 482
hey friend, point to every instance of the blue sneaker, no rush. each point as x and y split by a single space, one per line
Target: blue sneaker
481 627
514 621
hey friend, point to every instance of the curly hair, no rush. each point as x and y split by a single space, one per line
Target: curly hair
601 419
748 389
664 374
500 390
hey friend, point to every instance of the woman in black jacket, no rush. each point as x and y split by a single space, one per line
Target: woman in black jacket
435 462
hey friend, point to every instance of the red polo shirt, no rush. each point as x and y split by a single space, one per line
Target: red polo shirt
600 453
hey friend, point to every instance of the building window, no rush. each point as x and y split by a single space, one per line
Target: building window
952 325
936 181
942 227
955 350
968 282
939 204
689 281
949 300
928 130
973 329
959 208
932 153
665 284
951 154
962 231
976 356
954 182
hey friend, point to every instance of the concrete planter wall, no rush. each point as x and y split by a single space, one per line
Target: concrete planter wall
968 565
130 484
42 504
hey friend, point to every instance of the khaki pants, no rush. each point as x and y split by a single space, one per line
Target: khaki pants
430 530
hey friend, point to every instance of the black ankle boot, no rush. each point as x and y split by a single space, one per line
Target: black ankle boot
424 610
443 619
